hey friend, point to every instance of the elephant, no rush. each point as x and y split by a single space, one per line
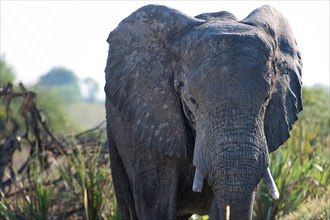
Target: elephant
194 106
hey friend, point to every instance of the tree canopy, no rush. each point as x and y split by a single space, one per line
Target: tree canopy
58 76
63 82
7 73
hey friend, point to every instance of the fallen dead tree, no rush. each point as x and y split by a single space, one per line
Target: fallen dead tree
23 127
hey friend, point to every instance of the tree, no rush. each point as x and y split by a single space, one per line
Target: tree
58 76
62 81
316 113
92 88
7 73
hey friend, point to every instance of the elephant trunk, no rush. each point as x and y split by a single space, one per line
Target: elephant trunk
236 200
233 163
240 209
234 185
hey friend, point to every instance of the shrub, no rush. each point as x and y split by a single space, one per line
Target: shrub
301 168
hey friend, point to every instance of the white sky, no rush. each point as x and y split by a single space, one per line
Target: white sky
38 35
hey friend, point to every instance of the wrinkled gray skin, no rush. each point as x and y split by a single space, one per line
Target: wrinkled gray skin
208 93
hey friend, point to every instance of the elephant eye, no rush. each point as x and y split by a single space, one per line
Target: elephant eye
193 101
189 115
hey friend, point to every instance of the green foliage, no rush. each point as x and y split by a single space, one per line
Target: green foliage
36 202
301 168
7 73
84 184
316 113
87 182
318 208
40 202
9 118
50 105
298 178
91 184
51 102
54 110
197 217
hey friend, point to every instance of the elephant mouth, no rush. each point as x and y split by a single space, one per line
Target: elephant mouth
267 178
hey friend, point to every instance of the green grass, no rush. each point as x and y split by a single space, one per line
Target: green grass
91 184
317 208
33 200
84 191
67 180
301 167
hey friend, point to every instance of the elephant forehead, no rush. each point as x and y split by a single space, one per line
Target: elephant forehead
218 36
223 26
212 49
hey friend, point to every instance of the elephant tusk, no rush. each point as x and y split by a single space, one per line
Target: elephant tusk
269 182
198 181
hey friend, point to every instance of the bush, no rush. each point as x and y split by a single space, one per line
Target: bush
301 167
317 208
78 185
60 178
53 107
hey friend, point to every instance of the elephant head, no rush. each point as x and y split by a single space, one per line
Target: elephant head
235 84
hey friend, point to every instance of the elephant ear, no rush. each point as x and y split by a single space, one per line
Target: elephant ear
139 77
285 101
